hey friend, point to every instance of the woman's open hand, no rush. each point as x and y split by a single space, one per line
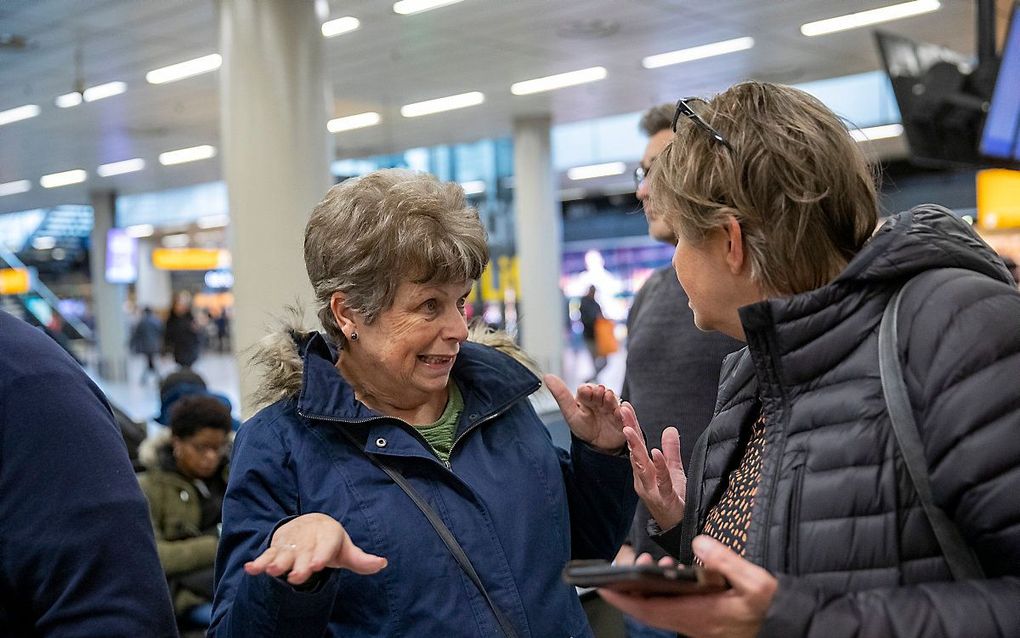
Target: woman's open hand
309 544
591 414
659 477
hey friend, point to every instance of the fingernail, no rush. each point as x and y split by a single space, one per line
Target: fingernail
701 546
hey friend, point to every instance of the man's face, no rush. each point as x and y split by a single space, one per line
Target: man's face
657 228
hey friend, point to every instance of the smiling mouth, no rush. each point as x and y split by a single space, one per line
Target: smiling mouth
436 360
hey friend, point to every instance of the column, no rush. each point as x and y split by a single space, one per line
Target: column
274 106
153 288
107 299
539 238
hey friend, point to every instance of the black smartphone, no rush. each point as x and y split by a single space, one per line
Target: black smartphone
644 580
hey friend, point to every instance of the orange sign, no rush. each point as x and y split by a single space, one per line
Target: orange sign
14 281
190 258
998 199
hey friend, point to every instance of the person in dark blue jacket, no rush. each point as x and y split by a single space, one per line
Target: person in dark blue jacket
318 539
77 554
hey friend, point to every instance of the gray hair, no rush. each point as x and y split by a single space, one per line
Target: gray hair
658 118
371 233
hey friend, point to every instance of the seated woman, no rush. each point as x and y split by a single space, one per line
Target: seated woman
184 484
319 538
801 492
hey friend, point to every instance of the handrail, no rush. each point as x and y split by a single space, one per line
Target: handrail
47 295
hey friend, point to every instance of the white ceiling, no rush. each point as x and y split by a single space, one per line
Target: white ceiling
478 45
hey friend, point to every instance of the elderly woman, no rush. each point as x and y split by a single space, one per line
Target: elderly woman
801 492
321 537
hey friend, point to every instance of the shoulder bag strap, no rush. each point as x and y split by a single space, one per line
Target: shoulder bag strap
444 533
958 555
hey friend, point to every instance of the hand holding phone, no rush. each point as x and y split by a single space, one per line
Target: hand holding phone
644 580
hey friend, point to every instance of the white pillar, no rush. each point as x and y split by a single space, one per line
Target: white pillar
539 233
107 299
153 288
274 106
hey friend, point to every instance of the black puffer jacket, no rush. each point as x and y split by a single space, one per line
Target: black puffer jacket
836 516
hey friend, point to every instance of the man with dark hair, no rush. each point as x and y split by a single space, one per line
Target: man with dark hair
77 556
672 367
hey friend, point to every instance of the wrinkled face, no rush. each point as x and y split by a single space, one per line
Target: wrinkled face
406 354
657 228
200 454
704 275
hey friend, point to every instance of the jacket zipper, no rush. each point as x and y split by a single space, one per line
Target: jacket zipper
793 522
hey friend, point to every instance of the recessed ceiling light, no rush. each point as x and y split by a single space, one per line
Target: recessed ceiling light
340 26
213 221
67 100
185 69
119 168
101 91
558 81
697 53
474 187
18 113
190 154
873 16
139 230
15 187
596 170
44 243
408 7
351 122
55 180
438 105
877 132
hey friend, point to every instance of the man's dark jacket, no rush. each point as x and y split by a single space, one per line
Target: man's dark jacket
77 555
836 516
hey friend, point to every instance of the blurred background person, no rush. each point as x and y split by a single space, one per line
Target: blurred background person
147 340
184 482
591 313
673 367
182 335
78 557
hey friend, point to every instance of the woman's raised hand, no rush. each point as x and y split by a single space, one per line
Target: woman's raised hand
307 545
591 414
659 477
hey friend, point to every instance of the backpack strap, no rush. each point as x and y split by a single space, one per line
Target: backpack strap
958 555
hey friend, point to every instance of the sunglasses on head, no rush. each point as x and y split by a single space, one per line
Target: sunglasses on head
683 107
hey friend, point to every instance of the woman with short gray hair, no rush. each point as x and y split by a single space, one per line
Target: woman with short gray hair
399 482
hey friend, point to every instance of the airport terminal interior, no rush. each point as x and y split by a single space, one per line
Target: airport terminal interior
159 159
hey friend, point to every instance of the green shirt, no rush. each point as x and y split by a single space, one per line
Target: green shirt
440 433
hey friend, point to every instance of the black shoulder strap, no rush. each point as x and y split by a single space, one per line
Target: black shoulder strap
444 533
959 556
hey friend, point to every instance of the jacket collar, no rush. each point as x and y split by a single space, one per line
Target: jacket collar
489 381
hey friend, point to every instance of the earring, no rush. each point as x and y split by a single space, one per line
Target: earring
354 336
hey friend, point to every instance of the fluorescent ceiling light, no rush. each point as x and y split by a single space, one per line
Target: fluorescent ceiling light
176 241
213 221
351 122
55 180
190 154
596 170
13 188
139 230
474 187
558 81
119 168
877 132
186 69
408 7
44 243
18 113
340 26
100 91
67 100
865 18
697 53
439 105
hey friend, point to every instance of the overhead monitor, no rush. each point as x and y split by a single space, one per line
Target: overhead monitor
1000 140
121 257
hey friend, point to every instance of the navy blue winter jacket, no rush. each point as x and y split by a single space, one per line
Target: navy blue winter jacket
77 556
519 507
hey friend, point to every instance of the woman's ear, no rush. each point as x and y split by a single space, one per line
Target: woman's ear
343 315
735 257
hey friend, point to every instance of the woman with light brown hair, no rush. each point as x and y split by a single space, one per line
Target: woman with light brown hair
859 477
